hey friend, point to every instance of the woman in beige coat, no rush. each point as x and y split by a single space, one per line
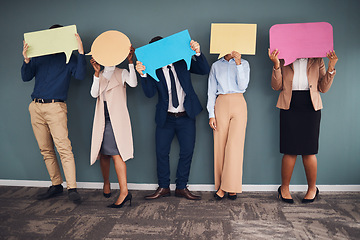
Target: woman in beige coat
111 135
300 106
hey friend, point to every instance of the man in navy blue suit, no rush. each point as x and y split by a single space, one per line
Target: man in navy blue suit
176 110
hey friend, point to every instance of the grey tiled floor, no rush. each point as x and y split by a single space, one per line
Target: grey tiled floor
251 216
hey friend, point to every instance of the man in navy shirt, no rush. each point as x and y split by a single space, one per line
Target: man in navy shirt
48 112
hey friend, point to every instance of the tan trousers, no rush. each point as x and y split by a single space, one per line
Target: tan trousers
229 137
49 122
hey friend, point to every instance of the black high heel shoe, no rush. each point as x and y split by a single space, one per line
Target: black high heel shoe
217 197
127 198
313 199
107 195
232 197
287 200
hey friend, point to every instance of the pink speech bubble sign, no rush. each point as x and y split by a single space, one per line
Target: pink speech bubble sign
301 40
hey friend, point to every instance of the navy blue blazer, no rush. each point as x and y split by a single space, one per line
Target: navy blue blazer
192 105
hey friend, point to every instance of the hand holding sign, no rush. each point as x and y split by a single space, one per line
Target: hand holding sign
236 56
165 51
51 41
24 52
301 40
274 58
140 67
195 46
332 60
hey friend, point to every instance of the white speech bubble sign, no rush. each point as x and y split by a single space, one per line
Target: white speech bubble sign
52 41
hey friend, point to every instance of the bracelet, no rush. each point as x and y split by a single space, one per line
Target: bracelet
332 72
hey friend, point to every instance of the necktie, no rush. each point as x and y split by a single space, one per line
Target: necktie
175 100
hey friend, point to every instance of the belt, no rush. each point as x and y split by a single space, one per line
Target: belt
179 114
40 100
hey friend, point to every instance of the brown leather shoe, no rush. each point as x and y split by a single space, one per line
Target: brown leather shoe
186 194
160 192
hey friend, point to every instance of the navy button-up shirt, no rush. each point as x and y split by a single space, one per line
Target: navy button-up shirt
52 74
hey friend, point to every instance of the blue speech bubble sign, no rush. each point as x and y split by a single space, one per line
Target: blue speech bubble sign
165 51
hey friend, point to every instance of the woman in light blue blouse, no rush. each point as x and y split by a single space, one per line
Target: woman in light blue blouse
228 80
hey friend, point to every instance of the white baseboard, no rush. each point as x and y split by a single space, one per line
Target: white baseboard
192 187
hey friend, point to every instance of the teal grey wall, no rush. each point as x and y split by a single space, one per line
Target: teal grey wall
339 153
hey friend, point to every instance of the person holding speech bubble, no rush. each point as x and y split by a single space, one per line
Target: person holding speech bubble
176 110
116 138
228 80
300 106
48 112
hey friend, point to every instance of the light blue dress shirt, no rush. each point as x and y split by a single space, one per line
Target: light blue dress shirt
226 77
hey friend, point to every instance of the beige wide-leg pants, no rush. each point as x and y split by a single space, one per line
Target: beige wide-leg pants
49 123
229 137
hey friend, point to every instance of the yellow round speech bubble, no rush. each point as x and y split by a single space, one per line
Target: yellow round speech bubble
110 48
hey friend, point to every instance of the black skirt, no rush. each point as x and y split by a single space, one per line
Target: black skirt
300 126
108 146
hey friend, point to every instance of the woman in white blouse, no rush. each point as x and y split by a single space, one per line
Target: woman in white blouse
300 106
112 136
228 80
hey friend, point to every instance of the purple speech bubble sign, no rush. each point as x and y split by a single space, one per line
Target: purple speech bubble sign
301 40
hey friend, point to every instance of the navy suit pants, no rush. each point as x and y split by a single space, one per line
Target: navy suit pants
184 128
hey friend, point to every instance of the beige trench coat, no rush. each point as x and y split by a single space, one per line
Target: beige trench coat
120 120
